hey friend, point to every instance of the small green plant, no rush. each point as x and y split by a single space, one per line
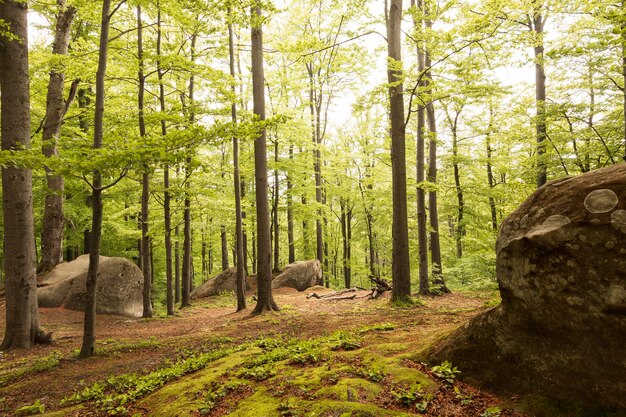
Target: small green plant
29 410
382 327
375 373
491 412
217 393
412 397
43 364
407 302
446 371
345 341
463 398
258 373
286 409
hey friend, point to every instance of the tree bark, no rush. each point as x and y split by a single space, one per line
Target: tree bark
265 300
223 239
460 228
89 335
56 107
239 249
290 239
422 230
540 96
400 248
22 320
187 271
490 179
435 246
145 180
167 215
276 246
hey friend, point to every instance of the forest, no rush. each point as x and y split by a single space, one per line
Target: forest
385 150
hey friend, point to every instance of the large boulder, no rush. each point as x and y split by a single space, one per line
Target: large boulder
225 281
299 275
561 267
119 286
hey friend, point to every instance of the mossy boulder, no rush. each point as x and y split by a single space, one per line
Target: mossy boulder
225 281
119 286
300 275
560 330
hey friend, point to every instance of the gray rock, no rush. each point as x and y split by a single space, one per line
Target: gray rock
119 286
561 328
225 281
300 275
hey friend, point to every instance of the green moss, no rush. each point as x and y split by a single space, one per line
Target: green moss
360 389
258 404
354 409
390 348
64 412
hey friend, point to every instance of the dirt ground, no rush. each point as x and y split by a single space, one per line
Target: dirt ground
125 345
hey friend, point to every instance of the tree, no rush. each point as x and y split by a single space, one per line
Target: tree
239 242
22 319
145 179
56 108
401 272
265 300
89 328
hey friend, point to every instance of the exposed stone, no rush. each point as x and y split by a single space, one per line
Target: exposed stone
560 330
225 281
300 275
119 286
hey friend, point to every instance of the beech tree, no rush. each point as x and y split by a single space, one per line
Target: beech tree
265 300
22 319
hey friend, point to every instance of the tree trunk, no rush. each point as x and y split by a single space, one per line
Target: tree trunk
314 106
225 264
167 215
290 240
276 247
145 180
56 107
460 229
490 179
89 335
435 246
400 248
239 242
540 96
344 240
187 272
264 267
22 320
422 230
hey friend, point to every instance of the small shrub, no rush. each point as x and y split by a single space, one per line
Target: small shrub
258 373
412 397
375 373
29 410
446 371
491 412
345 341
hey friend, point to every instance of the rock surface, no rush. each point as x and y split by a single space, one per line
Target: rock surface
300 275
561 328
119 288
225 281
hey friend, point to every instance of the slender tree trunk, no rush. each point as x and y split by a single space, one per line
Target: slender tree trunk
145 180
243 223
167 214
264 267
187 271
401 272
223 239
623 32
56 107
460 229
89 335
490 179
239 242
314 106
422 230
540 96
435 246
276 263
22 320
344 239
290 240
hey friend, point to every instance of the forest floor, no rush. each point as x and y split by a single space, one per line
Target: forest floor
313 358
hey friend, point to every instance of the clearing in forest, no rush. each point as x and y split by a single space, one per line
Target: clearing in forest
314 358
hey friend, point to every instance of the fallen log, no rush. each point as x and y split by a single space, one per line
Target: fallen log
332 294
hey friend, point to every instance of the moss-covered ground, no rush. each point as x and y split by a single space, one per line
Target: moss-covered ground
314 358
